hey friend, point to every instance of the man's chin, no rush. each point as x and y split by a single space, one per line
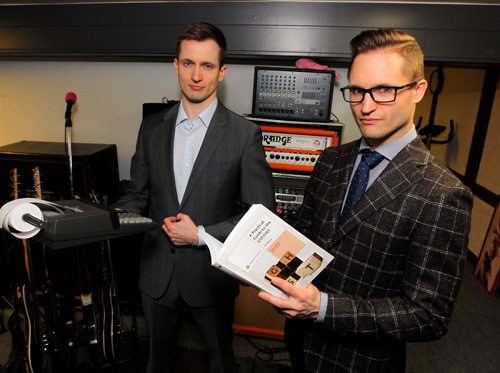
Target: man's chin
196 99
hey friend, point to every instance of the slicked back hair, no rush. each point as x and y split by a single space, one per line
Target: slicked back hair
401 42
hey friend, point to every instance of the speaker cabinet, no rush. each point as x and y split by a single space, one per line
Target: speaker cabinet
95 170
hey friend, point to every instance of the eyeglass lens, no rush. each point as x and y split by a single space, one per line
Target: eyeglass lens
378 94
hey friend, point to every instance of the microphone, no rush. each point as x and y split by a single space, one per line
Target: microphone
70 101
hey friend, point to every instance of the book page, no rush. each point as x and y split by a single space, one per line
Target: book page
213 244
215 248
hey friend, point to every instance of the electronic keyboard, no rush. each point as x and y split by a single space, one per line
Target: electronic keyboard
82 222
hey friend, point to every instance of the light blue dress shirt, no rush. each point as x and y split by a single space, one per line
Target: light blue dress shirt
188 138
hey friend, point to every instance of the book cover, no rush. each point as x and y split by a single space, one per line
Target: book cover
262 246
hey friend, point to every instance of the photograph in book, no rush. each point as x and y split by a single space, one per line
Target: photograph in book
262 246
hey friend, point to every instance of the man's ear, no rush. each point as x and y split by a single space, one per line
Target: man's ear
176 66
222 73
420 89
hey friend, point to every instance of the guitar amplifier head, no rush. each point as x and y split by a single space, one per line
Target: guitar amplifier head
292 94
295 148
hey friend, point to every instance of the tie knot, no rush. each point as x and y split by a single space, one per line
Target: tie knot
371 158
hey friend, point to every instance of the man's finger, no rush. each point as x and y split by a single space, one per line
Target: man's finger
170 219
274 300
285 286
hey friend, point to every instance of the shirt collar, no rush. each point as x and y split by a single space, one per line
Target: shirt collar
205 116
391 149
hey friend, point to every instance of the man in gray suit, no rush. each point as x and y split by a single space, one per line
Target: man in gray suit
398 226
194 167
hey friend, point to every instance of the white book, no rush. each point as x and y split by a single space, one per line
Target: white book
262 246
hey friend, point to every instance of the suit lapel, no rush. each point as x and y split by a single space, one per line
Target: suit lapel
399 176
339 180
212 140
332 174
168 161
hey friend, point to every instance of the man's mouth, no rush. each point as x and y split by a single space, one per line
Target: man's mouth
368 121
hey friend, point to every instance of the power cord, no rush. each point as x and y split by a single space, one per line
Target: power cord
266 353
335 118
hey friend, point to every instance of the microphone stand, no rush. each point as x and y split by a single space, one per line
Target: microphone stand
68 137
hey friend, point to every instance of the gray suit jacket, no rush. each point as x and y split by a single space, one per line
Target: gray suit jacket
398 263
230 168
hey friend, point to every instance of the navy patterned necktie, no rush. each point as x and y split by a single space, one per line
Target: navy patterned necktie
369 159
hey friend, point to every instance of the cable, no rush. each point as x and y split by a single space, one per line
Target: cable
266 350
8 302
335 118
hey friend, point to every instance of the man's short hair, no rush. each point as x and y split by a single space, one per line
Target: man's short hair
401 42
201 31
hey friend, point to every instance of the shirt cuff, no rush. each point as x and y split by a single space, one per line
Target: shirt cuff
200 240
323 305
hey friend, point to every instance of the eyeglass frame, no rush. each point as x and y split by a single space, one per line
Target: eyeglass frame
369 91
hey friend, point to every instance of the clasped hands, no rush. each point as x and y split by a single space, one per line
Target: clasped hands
181 230
302 303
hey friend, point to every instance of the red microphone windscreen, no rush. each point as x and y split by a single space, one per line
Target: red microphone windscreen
70 96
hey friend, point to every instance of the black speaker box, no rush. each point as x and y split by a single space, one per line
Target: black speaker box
95 170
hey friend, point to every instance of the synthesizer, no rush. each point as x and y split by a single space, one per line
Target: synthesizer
80 222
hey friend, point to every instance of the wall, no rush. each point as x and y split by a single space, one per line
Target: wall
460 100
110 98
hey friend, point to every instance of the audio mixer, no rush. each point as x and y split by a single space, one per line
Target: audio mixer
293 94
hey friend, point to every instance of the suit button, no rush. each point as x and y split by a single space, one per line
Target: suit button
172 251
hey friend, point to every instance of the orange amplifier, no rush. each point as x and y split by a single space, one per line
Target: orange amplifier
295 148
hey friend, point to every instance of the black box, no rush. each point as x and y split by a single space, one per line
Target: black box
95 170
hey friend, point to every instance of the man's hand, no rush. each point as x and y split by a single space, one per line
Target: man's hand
302 303
181 230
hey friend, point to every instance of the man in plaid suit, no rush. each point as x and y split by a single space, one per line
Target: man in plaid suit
399 251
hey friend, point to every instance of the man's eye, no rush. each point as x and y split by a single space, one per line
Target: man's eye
186 63
208 67
356 91
383 90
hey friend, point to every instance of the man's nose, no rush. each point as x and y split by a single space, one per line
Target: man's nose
196 74
368 105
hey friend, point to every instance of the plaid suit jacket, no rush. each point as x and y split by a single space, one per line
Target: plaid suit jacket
398 262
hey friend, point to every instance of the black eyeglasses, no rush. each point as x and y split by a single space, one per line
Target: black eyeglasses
380 95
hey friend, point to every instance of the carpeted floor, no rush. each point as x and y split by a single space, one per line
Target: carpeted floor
472 343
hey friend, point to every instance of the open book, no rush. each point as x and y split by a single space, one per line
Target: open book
262 246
